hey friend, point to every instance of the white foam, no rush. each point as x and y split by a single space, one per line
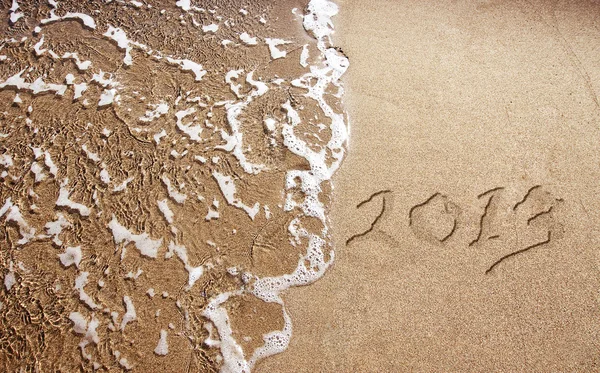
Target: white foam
125 364
189 65
107 97
104 176
80 283
6 160
260 87
14 15
38 172
194 273
235 87
81 326
158 110
318 19
120 37
213 211
121 235
54 228
129 315
104 81
231 351
121 187
159 136
9 279
173 193
247 39
304 56
87 20
134 276
184 4
275 341
84 18
79 89
234 142
71 256
229 191
64 201
81 65
276 52
79 322
38 47
192 131
313 264
162 348
38 86
270 123
91 155
69 79
163 206
50 164
210 28
13 213
124 43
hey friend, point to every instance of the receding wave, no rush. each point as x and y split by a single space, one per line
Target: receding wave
166 174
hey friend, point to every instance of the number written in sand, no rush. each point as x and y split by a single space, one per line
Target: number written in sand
502 227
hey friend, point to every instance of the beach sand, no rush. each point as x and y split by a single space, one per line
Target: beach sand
165 187
164 176
449 100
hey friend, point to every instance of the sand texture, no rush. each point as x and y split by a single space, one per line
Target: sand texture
165 174
477 122
172 173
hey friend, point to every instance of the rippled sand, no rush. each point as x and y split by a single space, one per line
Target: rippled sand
165 174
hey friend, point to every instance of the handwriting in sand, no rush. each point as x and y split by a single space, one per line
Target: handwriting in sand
437 219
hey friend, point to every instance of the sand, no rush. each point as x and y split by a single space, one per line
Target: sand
449 100
148 216
164 176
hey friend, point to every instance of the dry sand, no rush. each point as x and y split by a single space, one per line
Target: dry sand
449 100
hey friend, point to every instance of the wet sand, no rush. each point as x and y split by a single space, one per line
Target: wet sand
164 177
479 124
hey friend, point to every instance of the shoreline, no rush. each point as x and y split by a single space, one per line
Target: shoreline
482 256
